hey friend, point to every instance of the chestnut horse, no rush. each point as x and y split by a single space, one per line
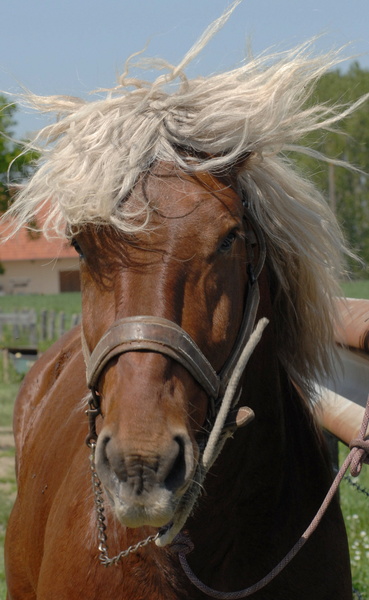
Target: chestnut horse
267 483
184 214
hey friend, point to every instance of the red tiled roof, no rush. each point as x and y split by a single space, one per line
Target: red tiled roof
22 247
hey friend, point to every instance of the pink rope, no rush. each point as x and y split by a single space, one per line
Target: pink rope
358 455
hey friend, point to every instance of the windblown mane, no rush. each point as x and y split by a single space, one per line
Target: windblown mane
93 155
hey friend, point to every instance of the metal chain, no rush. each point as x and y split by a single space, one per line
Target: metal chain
355 485
100 513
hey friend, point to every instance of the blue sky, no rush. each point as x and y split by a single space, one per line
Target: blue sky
74 46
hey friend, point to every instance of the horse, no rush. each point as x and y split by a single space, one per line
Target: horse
195 234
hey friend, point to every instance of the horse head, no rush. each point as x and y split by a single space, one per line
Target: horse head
184 273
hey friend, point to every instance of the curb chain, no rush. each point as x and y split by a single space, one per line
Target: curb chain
100 513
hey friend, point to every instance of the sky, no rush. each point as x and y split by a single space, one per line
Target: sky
75 46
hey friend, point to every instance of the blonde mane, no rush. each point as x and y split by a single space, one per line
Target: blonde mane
93 155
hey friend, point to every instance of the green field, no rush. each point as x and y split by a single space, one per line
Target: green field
356 289
355 508
7 475
355 505
69 302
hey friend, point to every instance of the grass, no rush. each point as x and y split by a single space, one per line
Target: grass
356 289
7 494
355 508
69 302
8 393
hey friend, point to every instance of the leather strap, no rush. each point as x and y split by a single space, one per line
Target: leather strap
247 326
157 335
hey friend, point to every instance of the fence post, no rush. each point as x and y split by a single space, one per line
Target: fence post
5 355
16 331
43 325
61 323
75 320
51 325
32 336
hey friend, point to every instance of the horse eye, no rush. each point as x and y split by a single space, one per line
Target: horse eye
77 247
228 242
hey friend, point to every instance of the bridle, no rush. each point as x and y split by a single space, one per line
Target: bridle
160 335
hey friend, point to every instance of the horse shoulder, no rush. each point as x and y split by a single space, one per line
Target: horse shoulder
49 424
35 390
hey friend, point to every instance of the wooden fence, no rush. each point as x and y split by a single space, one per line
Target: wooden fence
24 334
31 328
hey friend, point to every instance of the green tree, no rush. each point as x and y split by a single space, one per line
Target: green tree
22 166
346 190
15 165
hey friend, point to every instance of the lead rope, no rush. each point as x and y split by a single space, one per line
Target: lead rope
358 455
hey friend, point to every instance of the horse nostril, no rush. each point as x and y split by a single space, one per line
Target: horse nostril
102 454
177 474
109 458
136 473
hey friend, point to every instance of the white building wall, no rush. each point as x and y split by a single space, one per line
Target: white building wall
35 276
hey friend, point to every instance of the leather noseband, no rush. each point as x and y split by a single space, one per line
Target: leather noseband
157 335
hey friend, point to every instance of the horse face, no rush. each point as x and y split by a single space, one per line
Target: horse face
187 265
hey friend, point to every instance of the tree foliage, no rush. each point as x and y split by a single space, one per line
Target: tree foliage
14 164
346 190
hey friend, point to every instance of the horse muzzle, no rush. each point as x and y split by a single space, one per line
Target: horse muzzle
145 484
